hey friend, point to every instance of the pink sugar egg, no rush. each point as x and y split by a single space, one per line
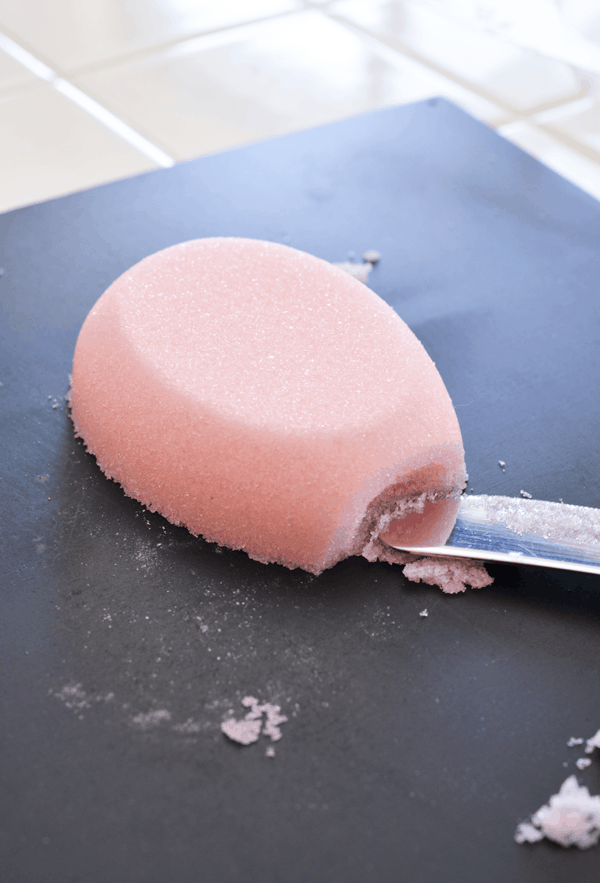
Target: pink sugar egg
268 401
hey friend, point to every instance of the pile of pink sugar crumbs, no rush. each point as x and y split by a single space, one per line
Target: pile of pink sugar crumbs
247 730
571 817
452 575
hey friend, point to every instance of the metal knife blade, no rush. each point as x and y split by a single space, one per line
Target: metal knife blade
522 531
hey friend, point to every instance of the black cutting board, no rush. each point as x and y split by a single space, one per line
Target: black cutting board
414 744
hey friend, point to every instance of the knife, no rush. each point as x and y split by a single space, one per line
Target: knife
522 531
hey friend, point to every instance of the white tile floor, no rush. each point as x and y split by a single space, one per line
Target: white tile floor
94 90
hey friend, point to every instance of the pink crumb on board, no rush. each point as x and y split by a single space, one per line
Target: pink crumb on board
452 575
247 730
570 818
265 399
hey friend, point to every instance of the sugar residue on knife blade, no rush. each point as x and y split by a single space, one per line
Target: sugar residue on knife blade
563 524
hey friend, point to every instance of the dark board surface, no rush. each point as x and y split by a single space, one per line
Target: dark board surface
414 744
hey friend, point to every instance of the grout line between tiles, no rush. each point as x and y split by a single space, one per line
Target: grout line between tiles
579 105
542 117
507 129
161 49
584 151
33 64
406 53
113 122
87 104
192 43
586 162
514 114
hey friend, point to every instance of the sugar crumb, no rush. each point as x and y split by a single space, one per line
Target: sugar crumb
452 575
243 731
265 717
570 818
528 833
592 743
371 256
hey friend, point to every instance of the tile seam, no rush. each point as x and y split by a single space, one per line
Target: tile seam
89 105
162 49
589 154
407 53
